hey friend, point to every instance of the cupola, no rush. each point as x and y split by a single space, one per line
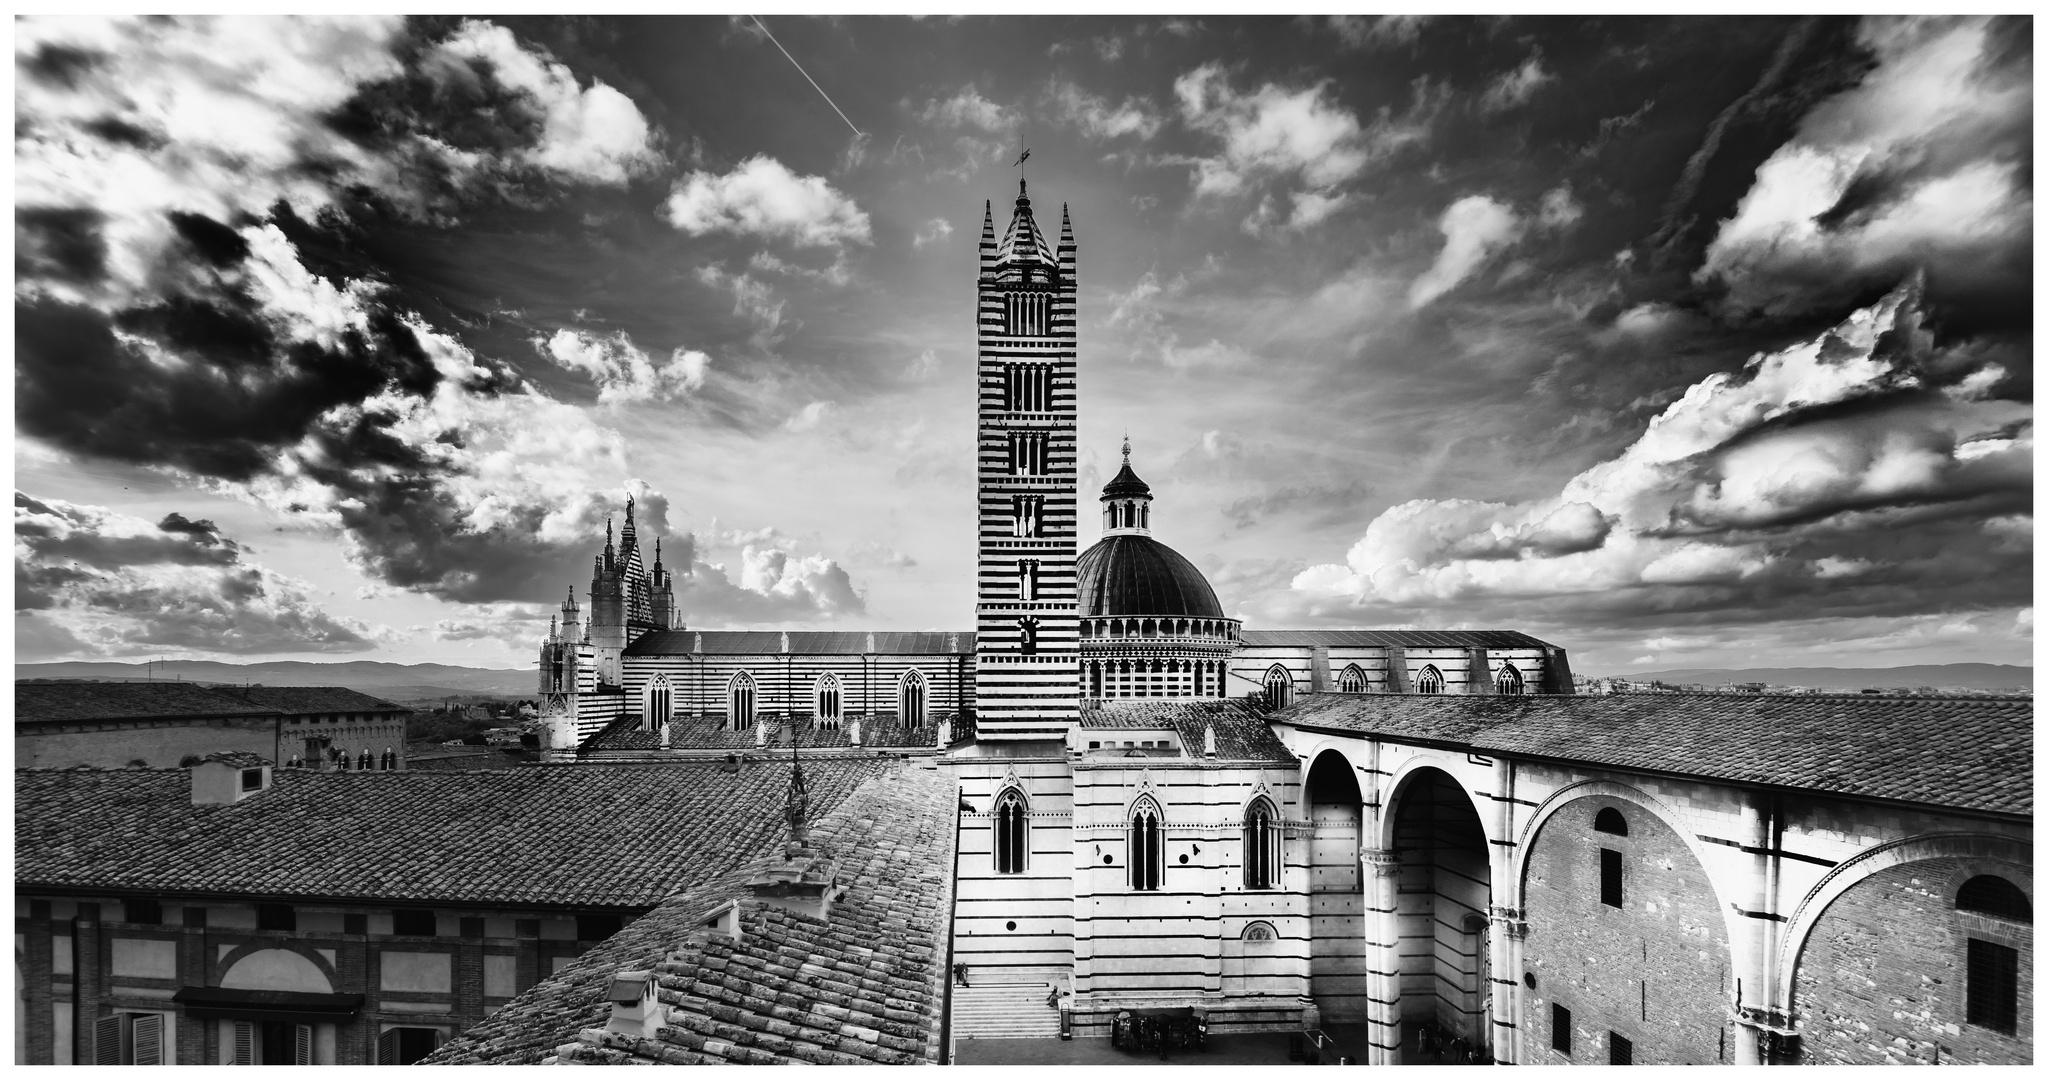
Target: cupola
1126 502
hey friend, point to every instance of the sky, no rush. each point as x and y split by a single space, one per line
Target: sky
1676 342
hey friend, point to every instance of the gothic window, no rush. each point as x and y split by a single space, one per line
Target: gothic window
825 698
1147 854
1027 635
1027 579
1353 681
1509 681
1029 510
1028 453
910 700
1609 820
1027 387
1013 837
1430 681
739 703
655 704
1259 931
1279 687
1261 846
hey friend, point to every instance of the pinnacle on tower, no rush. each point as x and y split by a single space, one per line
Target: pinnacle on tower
1127 448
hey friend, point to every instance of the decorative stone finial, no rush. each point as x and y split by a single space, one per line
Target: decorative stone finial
1127 447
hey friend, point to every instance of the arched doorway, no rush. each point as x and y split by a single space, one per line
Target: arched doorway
1444 892
1337 959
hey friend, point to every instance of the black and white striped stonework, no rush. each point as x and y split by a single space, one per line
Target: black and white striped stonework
1026 632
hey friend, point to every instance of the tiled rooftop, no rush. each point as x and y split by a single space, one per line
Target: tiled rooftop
802 643
1961 752
1485 639
864 986
1242 733
633 834
79 701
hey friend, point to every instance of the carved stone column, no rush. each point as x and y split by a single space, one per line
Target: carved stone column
1509 932
1380 871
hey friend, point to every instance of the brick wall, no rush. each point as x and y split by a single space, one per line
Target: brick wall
1881 979
1654 970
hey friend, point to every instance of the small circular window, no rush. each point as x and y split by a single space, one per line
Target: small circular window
1529 979
1009 926
1183 860
1108 859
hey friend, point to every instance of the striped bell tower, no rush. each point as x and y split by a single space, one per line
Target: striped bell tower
1027 660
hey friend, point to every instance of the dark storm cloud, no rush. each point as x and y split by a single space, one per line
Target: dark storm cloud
106 583
204 344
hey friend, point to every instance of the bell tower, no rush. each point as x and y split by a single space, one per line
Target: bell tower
1027 662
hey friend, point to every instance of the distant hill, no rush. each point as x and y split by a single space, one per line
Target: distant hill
397 682
1969 676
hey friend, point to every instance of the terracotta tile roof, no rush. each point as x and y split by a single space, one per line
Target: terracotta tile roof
1485 639
239 759
76 701
1968 753
865 986
710 733
1242 733
635 834
802 643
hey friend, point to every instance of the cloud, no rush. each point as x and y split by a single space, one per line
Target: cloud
1098 119
1514 88
595 135
774 586
1378 31
968 109
1475 228
171 173
1924 164
103 583
932 232
1557 209
1824 479
622 372
762 197
810 416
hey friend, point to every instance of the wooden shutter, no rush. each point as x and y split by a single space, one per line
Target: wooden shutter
106 1041
302 1045
387 1048
245 1043
149 1039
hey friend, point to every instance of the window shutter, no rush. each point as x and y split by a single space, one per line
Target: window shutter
245 1043
302 1045
106 1041
387 1048
149 1039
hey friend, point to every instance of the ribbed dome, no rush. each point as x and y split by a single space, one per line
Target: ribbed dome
1137 575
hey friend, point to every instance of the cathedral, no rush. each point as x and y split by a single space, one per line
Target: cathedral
1403 830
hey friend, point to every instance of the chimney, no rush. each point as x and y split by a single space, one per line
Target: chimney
636 1008
219 779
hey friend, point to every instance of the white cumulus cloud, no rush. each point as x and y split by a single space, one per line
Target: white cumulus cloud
1475 228
762 197
622 371
596 135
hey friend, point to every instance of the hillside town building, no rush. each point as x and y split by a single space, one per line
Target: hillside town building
159 724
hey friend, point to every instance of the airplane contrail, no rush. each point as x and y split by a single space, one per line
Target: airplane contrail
807 75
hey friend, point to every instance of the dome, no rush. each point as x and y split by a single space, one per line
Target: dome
1133 574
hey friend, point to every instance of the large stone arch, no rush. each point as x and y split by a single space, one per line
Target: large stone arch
1434 840
1334 797
1661 810
2013 855
1628 935
1392 788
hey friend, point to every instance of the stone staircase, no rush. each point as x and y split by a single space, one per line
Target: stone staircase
1006 1005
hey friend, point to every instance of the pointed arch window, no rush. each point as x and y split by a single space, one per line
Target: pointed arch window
1279 687
1353 681
1146 846
739 702
655 704
1509 681
910 699
825 701
1429 681
1262 860
1013 832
